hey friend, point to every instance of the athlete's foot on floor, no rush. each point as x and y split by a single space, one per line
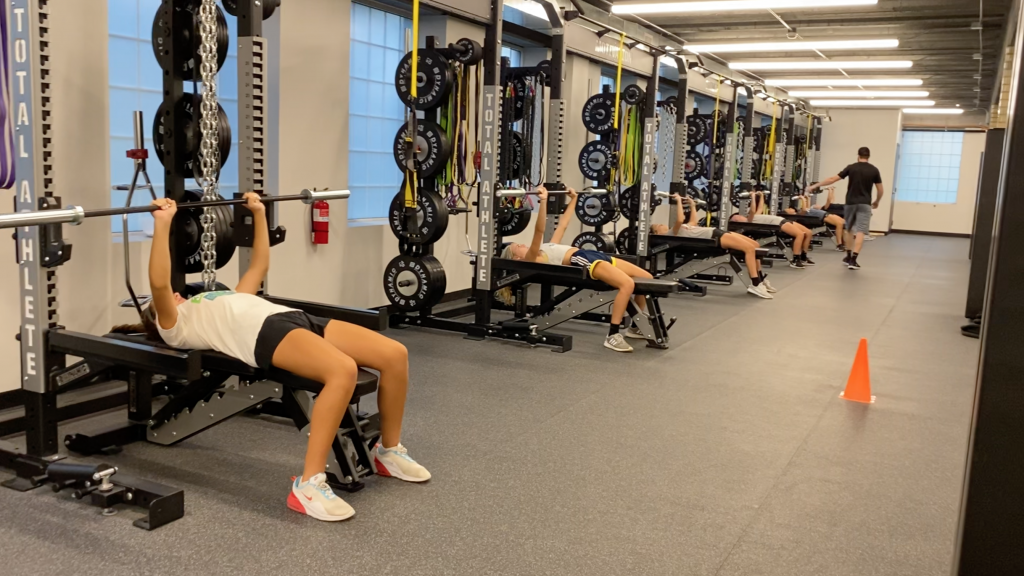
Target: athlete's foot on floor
853 265
618 343
396 463
315 498
796 264
634 332
760 291
768 286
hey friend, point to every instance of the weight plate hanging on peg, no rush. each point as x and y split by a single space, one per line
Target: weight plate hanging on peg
474 52
434 81
187 135
596 160
431 216
186 42
714 197
414 283
694 166
517 165
696 130
595 241
595 210
512 221
599 113
188 233
432 146
268 7
632 94
625 242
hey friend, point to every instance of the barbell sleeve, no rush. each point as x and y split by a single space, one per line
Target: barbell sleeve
511 193
69 215
310 196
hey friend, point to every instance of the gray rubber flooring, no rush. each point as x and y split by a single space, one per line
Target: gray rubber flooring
728 454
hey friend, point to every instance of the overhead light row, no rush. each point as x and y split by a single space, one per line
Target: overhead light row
841 82
823 65
729 5
792 46
858 93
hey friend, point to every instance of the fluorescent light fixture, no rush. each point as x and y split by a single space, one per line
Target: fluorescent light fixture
842 82
933 110
863 103
858 93
669 61
729 5
822 65
792 46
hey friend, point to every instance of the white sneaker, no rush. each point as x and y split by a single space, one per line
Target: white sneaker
760 291
315 498
768 286
396 463
634 332
618 343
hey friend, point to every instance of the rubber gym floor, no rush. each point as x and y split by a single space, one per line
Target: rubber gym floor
730 453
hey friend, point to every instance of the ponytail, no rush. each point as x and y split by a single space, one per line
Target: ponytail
147 326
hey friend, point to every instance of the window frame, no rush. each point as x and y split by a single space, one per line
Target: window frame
922 158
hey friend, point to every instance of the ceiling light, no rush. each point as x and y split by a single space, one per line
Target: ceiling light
862 103
858 93
793 46
730 5
761 95
977 26
977 56
977 88
821 65
806 82
933 110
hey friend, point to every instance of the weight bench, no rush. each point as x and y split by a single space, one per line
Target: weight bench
815 224
201 393
767 235
581 297
689 258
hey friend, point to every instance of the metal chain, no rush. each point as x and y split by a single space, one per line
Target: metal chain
209 144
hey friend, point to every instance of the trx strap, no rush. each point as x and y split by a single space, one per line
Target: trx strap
6 124
411 133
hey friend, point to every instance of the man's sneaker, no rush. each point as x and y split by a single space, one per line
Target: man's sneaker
315 498
768 286
840 248
634 332
796 264
853 265
618 343
395 462
808 262
760 291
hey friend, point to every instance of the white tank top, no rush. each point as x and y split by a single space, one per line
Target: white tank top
556 252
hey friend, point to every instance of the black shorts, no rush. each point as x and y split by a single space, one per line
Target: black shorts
277 326
716 235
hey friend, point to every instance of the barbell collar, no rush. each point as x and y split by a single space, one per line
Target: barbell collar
310 196
69 215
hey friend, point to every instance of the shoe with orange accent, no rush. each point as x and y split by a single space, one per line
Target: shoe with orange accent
395 462
315 498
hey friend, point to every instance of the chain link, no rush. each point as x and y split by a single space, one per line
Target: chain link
209 143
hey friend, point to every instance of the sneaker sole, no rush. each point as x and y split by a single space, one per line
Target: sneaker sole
635 336
297 506
796 267
759 295
606 345
383 470
853 267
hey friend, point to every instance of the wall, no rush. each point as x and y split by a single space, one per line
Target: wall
955 218
879 130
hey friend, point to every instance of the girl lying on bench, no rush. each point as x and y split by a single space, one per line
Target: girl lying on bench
600 266
262 334
800 233
822 212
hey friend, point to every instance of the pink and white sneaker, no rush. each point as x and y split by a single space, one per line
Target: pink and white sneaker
395 462
315 498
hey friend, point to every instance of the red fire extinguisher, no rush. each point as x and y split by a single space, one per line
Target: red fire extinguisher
321 221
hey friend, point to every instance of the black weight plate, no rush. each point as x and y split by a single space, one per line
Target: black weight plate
696 130
513 221
412 283
268 7
186 41
632 94
629 202
517 165
596 160
694 166
475 52
625 242
188 231
595 210
599 113
594 241
187 138
519 89
714 197
433 149
431 216
433 84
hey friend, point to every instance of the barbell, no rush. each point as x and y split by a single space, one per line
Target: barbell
519 192
75 214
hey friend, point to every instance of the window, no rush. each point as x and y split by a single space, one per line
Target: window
607 81
930 166
135 83
375 112
514 55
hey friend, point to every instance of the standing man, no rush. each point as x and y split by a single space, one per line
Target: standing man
857 213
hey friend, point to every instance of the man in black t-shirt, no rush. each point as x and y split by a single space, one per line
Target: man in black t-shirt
863 175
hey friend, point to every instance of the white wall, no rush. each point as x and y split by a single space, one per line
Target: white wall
879 130
955 218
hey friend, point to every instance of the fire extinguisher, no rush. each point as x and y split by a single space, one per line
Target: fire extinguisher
321 214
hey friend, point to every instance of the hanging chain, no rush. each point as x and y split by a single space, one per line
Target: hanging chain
209 147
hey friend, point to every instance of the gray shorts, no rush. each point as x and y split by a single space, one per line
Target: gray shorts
858 218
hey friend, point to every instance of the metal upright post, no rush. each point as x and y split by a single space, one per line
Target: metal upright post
252 107
747 168
984 217
556 103
729 167
643 223
778 162
678 184
787 177
815 171
174 147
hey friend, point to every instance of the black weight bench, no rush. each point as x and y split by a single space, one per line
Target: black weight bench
200 394
767 235
690 258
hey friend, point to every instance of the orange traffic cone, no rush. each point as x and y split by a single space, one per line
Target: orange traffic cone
858 386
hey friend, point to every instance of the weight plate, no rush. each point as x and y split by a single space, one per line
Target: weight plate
474 54
414 283
694 166
596 160
517 166
714 197
629 202
598 114
434 80
625 242
433 149
188 231
186 136
186 41
519 89
696 130
594 241
268 7
632 94
512 221
595 210
431 216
